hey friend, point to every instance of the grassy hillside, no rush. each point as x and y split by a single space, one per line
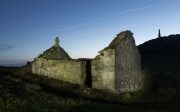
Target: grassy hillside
31 92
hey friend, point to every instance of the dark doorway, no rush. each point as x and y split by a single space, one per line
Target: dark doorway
88 82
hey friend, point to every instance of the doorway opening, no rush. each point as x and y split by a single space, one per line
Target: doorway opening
88 81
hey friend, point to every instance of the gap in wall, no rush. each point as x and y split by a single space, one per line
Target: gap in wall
88 81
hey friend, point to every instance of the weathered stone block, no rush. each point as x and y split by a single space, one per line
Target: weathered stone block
62 70
127 65
103 71
120 65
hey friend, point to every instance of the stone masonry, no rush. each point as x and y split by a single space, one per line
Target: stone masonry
72 71
103 71
117 68
56 63
55 52
127 64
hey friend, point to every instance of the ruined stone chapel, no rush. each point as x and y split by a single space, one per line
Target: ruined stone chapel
117 68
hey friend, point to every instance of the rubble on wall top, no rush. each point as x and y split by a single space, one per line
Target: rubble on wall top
118 39
55 52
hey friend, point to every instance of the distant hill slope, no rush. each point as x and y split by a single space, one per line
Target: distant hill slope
162 54
170 44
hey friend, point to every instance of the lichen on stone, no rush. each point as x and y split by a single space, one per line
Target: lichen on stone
55 53
118 39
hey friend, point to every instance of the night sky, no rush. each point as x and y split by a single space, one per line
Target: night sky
84 27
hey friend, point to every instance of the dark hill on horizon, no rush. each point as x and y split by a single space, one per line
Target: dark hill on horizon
170 44
162 54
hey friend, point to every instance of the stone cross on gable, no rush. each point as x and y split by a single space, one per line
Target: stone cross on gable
56 42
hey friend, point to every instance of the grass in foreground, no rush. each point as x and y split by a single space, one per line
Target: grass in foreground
30 92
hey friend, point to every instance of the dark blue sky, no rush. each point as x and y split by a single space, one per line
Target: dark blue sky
29 27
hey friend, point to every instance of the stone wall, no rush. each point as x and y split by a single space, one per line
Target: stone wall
73 71
118 67
103 71
24 69
128 66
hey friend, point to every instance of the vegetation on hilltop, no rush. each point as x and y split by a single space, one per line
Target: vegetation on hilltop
166 45
161 54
